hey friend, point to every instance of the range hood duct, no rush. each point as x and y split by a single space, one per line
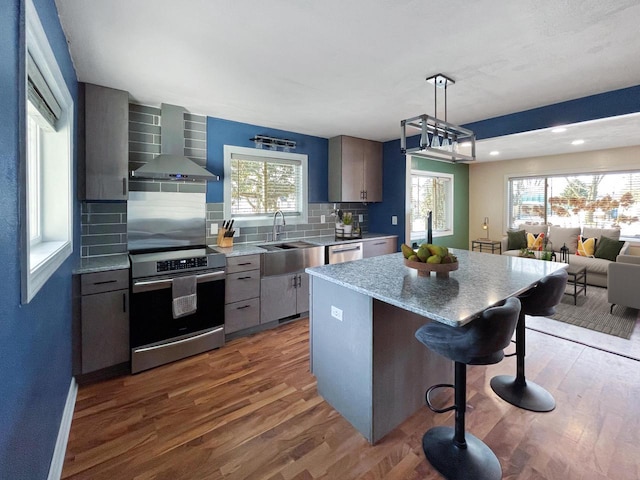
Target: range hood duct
171 164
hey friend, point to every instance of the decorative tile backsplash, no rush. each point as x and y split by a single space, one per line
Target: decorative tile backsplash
312 229
104 228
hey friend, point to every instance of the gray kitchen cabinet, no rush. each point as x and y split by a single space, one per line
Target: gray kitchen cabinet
355 170
379 246
242 293
104 310
283 296
106 152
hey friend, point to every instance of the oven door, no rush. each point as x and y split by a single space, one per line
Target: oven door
157 338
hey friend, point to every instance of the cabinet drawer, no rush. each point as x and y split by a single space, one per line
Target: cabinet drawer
241 315
243 263
242 285
379 246
104 281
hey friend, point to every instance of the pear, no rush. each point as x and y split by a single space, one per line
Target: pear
434 259
423 253
413 258
407 251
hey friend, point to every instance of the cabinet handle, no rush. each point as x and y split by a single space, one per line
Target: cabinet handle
243 307
104 282
299 280
124 302
365 194
124 185
244 278
380 243
295 281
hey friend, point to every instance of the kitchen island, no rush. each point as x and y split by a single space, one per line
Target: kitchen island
363 317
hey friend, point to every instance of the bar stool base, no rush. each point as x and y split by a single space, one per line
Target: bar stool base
529 396
477 461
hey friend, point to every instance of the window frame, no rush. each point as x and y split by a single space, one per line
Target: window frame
509 179
41 259
450 203
266 219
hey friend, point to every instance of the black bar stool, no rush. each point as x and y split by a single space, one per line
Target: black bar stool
480 342
539 301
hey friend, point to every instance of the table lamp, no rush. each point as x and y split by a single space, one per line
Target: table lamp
485 227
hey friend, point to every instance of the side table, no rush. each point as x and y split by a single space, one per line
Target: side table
486 245
577 278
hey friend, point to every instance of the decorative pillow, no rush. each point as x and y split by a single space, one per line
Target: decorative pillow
564 236
608 248
516 240
535 241
586 246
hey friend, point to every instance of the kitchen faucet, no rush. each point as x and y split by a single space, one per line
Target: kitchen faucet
278 229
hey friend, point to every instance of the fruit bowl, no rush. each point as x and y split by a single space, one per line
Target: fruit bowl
424 269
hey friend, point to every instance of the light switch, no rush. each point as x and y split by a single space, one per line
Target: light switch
394 219
323 219
214 229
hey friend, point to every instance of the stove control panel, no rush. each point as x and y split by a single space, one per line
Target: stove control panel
181 264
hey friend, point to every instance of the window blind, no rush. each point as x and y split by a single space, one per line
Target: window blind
261 185
40 95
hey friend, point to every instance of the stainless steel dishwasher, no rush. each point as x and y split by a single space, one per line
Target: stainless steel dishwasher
344 252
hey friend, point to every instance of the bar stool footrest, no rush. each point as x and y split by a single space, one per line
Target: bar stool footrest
527 395
476 461
428 399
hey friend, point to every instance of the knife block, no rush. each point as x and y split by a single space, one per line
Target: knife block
222 240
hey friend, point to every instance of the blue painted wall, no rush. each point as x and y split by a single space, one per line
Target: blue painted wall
226 132
35 339
394 195
602 105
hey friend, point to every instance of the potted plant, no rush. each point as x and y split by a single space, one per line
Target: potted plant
347 221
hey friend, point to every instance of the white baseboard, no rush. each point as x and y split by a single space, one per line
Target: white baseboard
57 461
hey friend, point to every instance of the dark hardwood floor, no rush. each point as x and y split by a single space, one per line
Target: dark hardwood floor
251 411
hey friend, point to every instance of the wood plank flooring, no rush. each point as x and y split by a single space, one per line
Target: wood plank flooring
250 410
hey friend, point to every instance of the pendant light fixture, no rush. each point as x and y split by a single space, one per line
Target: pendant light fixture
439 139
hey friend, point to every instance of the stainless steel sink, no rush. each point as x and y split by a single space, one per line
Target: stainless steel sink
290 257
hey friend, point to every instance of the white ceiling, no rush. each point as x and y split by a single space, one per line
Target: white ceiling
357 67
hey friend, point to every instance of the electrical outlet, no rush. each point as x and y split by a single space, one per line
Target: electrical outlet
214 229
323 219
336 313
361 218
236 233
394 219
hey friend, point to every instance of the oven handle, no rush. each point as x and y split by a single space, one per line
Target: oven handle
148 285
178 342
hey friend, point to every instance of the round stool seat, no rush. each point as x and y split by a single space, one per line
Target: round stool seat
541 300
480 342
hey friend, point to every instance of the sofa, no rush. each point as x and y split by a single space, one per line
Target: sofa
623 282
557 237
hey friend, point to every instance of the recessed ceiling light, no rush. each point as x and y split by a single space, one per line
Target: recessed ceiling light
494 153
558 130
577 142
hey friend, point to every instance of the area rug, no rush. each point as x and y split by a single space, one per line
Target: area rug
592 312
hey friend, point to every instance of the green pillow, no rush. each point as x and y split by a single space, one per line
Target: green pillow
517 239
608 248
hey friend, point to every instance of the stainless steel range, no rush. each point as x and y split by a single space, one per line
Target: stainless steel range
177 285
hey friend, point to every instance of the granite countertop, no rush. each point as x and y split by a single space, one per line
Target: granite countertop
481 281
322 241
102 264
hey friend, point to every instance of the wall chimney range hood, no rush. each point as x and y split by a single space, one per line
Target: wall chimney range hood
172 164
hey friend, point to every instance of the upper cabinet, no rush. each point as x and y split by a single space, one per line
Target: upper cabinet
355 170
106 137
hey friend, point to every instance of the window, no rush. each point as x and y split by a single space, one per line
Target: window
600 200
47 208
433 192
257 183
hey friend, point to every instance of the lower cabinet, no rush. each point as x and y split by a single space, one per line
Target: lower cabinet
379 246
242 297
104 325
283 296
